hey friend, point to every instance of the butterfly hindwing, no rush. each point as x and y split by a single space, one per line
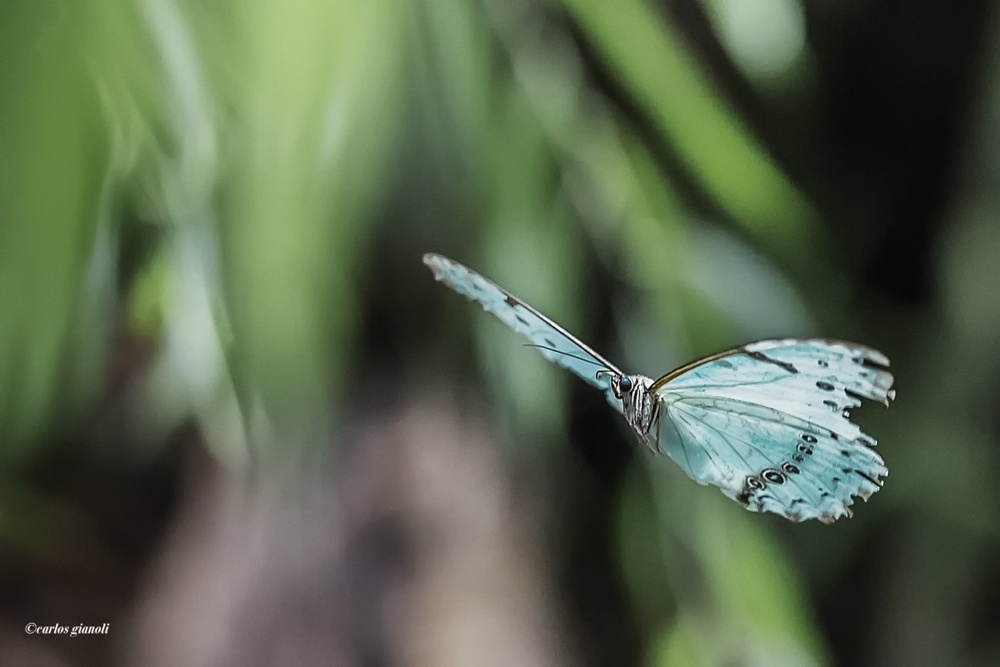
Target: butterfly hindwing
770 424
554 342
769 460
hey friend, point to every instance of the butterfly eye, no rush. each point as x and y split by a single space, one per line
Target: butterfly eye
625 384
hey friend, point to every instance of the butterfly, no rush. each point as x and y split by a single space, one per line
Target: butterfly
768 423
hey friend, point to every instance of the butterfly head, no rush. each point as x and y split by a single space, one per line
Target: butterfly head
626 387
638 405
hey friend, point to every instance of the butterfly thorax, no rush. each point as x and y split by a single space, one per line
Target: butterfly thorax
640 407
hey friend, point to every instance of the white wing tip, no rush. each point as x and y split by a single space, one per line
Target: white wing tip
440 265
433 260
876 357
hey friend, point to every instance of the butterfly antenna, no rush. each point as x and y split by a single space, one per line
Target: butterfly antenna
568 354
603 371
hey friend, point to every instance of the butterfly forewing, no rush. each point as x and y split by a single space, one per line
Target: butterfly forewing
554 342
769 424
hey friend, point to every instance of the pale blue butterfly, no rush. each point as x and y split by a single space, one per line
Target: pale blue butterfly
768 423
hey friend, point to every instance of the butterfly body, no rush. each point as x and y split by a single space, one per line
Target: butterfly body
639 406
768 423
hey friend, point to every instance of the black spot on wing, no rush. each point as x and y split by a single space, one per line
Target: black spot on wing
773 476
760 356
875 481
511 301
750 486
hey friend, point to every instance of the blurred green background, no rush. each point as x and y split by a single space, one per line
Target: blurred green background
241 423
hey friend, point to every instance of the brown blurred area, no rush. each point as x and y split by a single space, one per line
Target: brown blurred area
423 555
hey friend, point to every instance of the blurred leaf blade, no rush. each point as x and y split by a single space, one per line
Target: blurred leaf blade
52 164
641 47
317 122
